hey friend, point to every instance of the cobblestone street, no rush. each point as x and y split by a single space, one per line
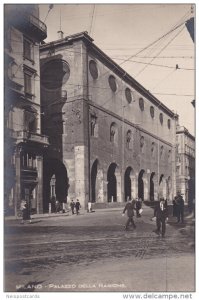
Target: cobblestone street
93 252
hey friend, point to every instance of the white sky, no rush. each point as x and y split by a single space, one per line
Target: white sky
121 30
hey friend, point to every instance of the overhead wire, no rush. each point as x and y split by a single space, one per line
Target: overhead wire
160 51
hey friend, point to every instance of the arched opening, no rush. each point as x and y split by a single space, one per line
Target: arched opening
127 184
111 183
93 180
152 186
141 185
55 183
162 187
169 189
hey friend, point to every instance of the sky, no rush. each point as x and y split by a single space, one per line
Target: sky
124 32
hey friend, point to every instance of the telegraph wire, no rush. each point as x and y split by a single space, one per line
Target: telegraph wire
160 51
49 9
92 20
138 62
82 85
168 75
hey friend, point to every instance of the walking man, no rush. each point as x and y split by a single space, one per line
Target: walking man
72 206
180 203
161 213
129 207
77 206
138 206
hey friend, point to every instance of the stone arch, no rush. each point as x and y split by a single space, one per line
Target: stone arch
152 187
129 184
162 187
96 182
142 185
55 174
113 183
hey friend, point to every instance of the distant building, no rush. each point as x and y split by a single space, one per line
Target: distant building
24 143
185 163
110 139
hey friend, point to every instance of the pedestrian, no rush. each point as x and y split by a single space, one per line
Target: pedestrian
77 206
89 206
129 207
138 206
72 206
57 206
175 207
180 203
161 213
25 208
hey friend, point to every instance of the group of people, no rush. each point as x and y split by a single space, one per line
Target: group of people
75 206
160 212
130 207
178 208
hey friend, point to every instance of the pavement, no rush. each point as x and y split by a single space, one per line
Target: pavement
93 252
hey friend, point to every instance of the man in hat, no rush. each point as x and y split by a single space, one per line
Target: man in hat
129 207
161 214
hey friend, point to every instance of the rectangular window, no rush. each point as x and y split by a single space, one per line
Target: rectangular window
27 83
27 49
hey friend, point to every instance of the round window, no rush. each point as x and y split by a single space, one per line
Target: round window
152 111
141 104
93 69
54 74
161 118
169 123
112 83
128 95
141 141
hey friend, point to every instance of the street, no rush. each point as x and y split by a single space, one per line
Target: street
93 252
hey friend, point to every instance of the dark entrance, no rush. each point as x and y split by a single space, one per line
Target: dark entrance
54 168
141 185
127 184
93 180
152 186
112 183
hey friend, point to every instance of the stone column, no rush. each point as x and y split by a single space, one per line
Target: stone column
39 197
99 186
17 188
133 187
81 175
119 187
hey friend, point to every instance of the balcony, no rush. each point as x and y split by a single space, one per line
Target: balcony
23 136
28 23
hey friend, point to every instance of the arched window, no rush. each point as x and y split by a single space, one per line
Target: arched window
142 144
129 139
93 125
113 133
161 151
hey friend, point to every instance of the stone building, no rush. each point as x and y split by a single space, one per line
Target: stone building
24 143
185 164
110 139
